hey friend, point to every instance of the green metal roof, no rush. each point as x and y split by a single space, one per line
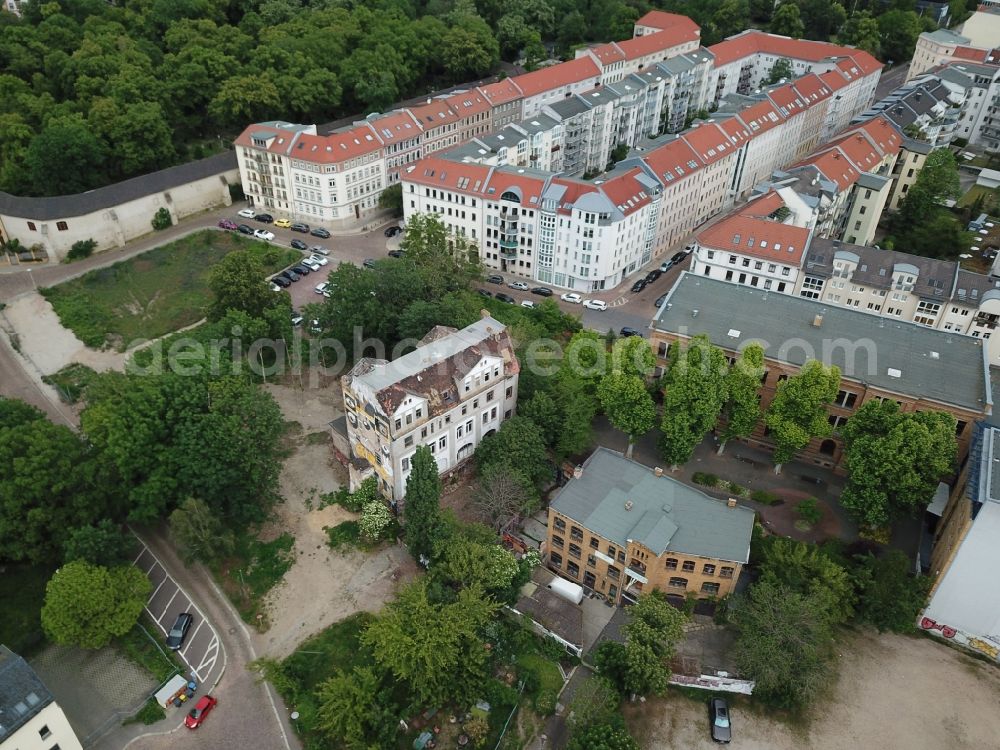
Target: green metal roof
623 501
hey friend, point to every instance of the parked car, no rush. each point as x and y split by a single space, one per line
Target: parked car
639 285
571 297
177 634
688 249
296 319
246 213
319 250
290 275
283 223
321 287
519 285
301 270
494 278
660 300
319 232
679 256
369 263
264 218
528 303
392 231
718 715
628 331
396 253
298 244
281 281
227 224
318 259
263 234
596 304
310 264
485 292
314 326
196 716
501 297
244 229
300 227
275 287
653 275
666 265
542 291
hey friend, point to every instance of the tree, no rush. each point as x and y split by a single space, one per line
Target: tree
543 410
501 494
782 69
162 219
632 355
899 30
436 649
695 393
761 10
742 410
628 405
519 446
578 406
594 702
862 31
895 460
936 182
609 658
469 50
446 261
784 644
821 18
805 569
237 283
87 605
798 412
889 594
488 567
612 736
375 519
787 21
353 710
421 508
651 638
199 533
65 158
102 544
392 199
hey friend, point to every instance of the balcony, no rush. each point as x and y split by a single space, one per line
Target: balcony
636 576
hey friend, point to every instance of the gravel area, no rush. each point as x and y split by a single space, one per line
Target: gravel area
892 692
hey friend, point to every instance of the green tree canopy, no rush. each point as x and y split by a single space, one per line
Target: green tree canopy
742 409
103 543
238 283
798 412
805 569
352 710
628 405
87 605
421 507
651 637
695 393
611 736
199 533
519 446
787 21
936 181
889 594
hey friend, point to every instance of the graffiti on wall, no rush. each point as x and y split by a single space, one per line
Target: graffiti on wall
928 624
987 647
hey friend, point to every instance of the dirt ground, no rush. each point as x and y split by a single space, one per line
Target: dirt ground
323 586
893 692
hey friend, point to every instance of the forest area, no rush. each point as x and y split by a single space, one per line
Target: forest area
92 92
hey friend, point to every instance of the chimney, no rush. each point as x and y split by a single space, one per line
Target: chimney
731 502
694 313
628 505
818 320
577 472
658 471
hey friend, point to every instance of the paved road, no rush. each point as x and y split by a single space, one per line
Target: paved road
891 80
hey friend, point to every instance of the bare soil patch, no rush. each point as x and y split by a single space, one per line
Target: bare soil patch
892 692
323 586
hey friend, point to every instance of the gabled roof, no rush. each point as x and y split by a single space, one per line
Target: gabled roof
659 19
526 185
556 76
468 103
709 141
626 192
761 117
673 161
748 234
336 147
661 41
22 694
501 92
835 166
434 114
811 88
753 41
395 126
434 171
608 53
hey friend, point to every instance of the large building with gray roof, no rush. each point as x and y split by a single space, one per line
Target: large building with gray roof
619 529
879 358
30 718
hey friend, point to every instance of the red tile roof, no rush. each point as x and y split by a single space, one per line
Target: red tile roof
434 114
468 103
441 173
529 186
969 53
659 19
661 41
555 76
761 117
395 126
626 192
736 130
833 80
763 206
835 166
883 133
608 53
709 141
500 92
811 87
753 41
336 147
788 100
757 237
673 159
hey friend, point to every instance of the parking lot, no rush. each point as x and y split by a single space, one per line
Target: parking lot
201 650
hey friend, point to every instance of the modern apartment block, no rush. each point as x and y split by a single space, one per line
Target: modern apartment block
30 718
879 358
619 529
453 390
976 41
611 94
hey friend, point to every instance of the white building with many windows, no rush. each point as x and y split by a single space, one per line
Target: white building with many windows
30 718
453 390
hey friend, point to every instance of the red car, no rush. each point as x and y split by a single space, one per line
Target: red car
227 224
201 709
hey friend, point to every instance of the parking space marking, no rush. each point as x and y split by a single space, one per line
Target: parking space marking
176 592
193 636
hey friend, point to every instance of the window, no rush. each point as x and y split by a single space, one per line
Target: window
577 533
44 732
61 226
621 556
591 561
408 441
510 391
688 566
589 580
574 551
678 583
31 226
399 424
559 524
708 569
710 587
489 396
613 573
726 572
556 559
594 542
573 569
671 563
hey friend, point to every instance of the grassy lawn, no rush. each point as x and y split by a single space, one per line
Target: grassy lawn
990 196
254 569
152 294
70 381
22 592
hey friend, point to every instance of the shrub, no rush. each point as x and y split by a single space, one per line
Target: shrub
477 728
162 220
709 480
736 489
764 497
375 520
346 533
809 511
81 249
545 702
150 713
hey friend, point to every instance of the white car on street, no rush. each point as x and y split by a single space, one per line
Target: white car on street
319 250
310 264
322 287
318 259
528 303
519 285
247 213
596 304
263 234
571 297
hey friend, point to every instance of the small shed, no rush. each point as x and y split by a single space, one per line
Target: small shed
166 694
